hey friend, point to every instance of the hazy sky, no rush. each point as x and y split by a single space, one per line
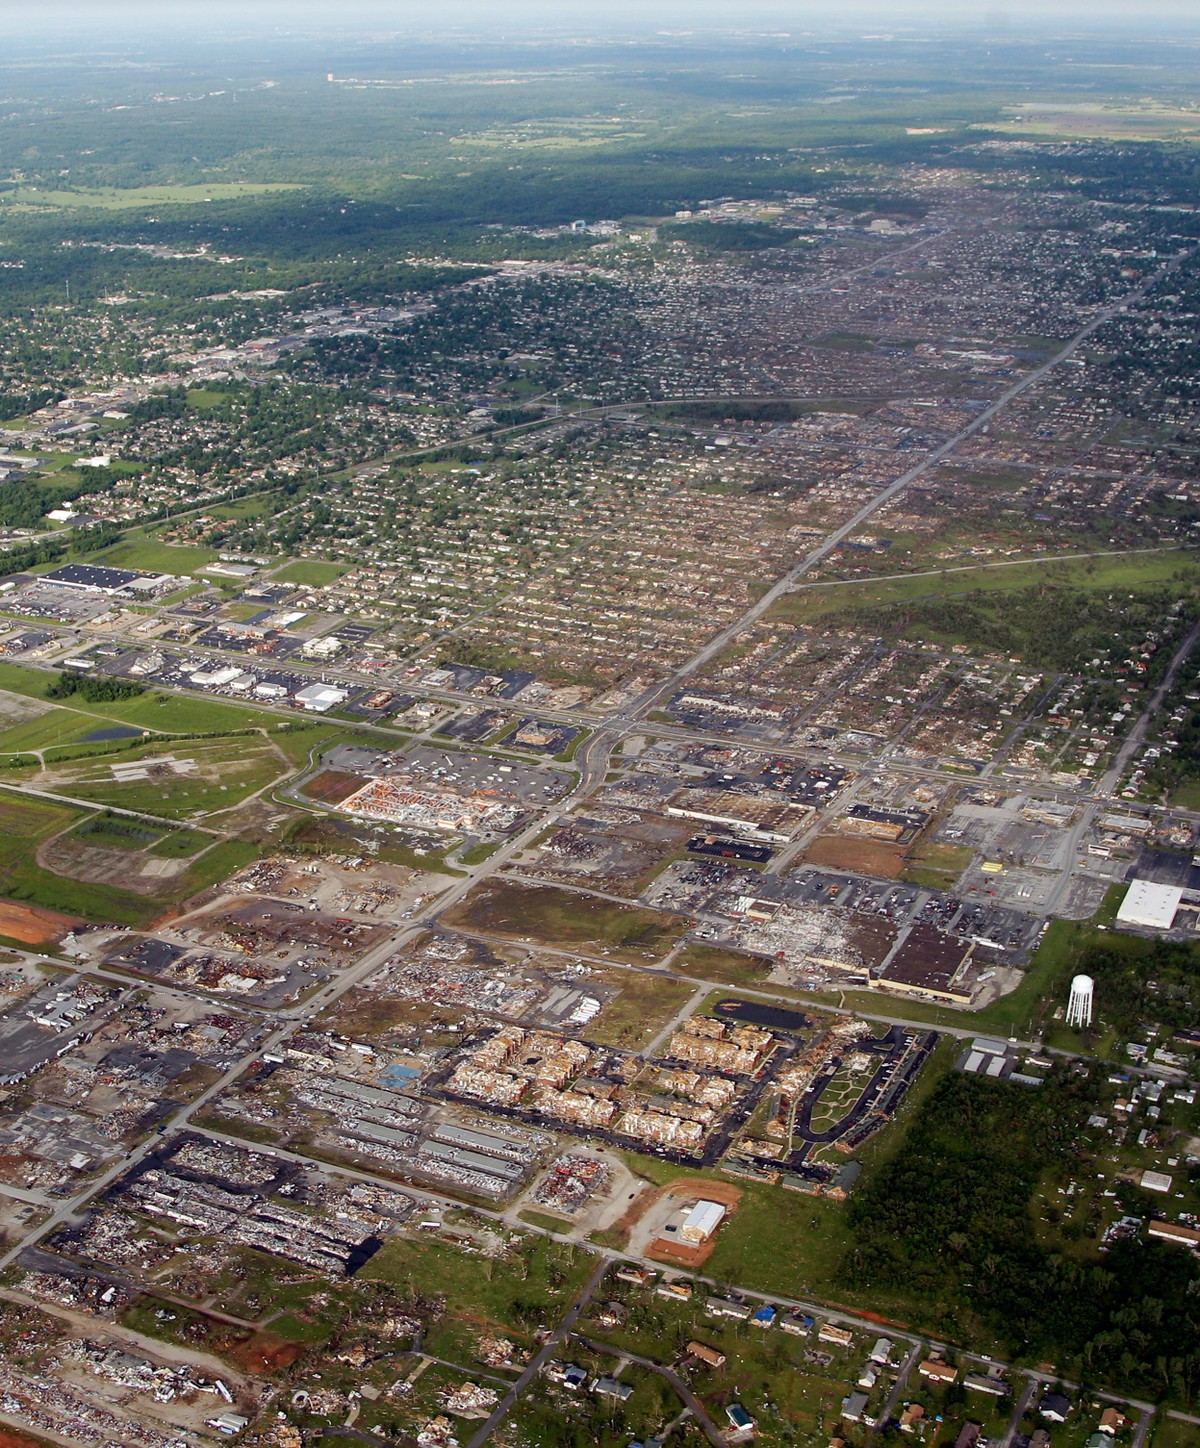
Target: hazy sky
49 15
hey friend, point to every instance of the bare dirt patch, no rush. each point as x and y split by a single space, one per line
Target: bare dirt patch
332 786
11 1439
35 925
679 1254
862 857
265 1353
67 855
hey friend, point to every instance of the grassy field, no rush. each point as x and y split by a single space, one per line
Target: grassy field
114 198
1113 121
179 844
311 572
112 832
707 962
1129 570
164 713
563 917
154 557
936 867
643 1008
205 776
544 1220
54 727
1171 1433
25 823
533 1282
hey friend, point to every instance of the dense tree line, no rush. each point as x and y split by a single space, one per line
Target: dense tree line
93 688
1144 980
948 1222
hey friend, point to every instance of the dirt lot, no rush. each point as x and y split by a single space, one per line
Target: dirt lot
9 1438
332 786
144 874
265 1353
863 857
34 925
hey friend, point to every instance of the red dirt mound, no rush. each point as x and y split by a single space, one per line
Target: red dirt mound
265 1353
33 925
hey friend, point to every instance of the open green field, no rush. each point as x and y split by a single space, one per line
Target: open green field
114 198
544 1220
936 867
162 713
182 779
53 728
255 506
154 557
1112 121
311 572
202 398
1171 1433
731 967
533 1282
563 917
1128 570
25 823
645 1005
114 832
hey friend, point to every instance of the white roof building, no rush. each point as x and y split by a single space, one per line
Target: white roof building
215 678
1149 905
1156 1181
319 698
702 1221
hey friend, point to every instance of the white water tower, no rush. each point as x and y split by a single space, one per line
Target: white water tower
1079 1007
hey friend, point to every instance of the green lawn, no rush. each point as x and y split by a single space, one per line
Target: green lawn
179 844
223 772
814 601
544 1220
1171 1433
25 823
311 572
707 962
534 1282
937 867
645 1005
202 398
155 557
55 727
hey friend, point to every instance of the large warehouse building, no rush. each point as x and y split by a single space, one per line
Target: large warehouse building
1149 906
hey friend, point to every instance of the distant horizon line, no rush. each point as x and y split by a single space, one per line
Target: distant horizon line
682 18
